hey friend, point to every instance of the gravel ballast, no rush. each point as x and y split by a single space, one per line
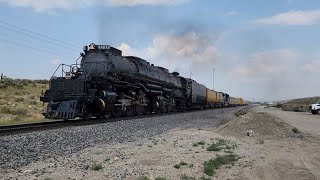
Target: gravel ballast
22 149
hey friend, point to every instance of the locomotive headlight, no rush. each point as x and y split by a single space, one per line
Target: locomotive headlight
74 69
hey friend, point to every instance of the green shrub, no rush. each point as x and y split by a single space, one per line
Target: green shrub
17 93
185 177
17 118
20 83
182 163
204 178
213 164
96 167
199 143
296 109
161 178
144 178
33 102
228 151
295 130
21 111
19 99
260 141
6 109
32 97
221 144
41 81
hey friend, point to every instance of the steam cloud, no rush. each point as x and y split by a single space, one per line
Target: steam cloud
179 52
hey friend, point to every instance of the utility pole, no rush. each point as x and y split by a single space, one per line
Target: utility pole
213 79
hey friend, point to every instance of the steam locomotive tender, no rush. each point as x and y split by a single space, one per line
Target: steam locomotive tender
106 83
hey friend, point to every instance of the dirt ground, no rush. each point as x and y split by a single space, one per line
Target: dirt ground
283 155
274 152
305 121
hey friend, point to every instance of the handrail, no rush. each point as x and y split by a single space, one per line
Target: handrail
77 60
56 70
62 65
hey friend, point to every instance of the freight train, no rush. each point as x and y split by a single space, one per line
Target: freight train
105 84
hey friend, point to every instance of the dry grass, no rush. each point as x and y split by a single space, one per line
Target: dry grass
19 101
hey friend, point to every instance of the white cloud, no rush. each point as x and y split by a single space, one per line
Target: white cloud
272 75
312 67
190 47
143 2
49 5
231 13
56 62
43 5
293 18
263 66
126 50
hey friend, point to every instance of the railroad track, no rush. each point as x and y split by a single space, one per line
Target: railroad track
22 128
11 129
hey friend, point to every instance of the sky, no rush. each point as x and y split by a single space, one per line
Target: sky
263 50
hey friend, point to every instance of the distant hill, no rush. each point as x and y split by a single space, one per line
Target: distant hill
299 105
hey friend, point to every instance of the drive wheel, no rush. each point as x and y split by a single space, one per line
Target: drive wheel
139 110
117 112
86 114
129 111
318 111
107 115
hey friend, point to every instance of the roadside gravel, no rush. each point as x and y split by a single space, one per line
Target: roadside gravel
22 149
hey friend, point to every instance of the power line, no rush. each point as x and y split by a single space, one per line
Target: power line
29 47
36 35
4 35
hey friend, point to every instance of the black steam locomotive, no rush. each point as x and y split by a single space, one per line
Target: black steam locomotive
105 83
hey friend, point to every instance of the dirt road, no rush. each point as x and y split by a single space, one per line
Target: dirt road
304 121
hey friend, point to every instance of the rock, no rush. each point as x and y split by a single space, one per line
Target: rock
34 171
250 133
28 171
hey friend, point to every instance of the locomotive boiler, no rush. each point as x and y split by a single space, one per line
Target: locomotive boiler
105 84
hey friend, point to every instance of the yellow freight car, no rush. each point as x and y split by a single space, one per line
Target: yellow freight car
211 96
241 102
220 99
233 101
